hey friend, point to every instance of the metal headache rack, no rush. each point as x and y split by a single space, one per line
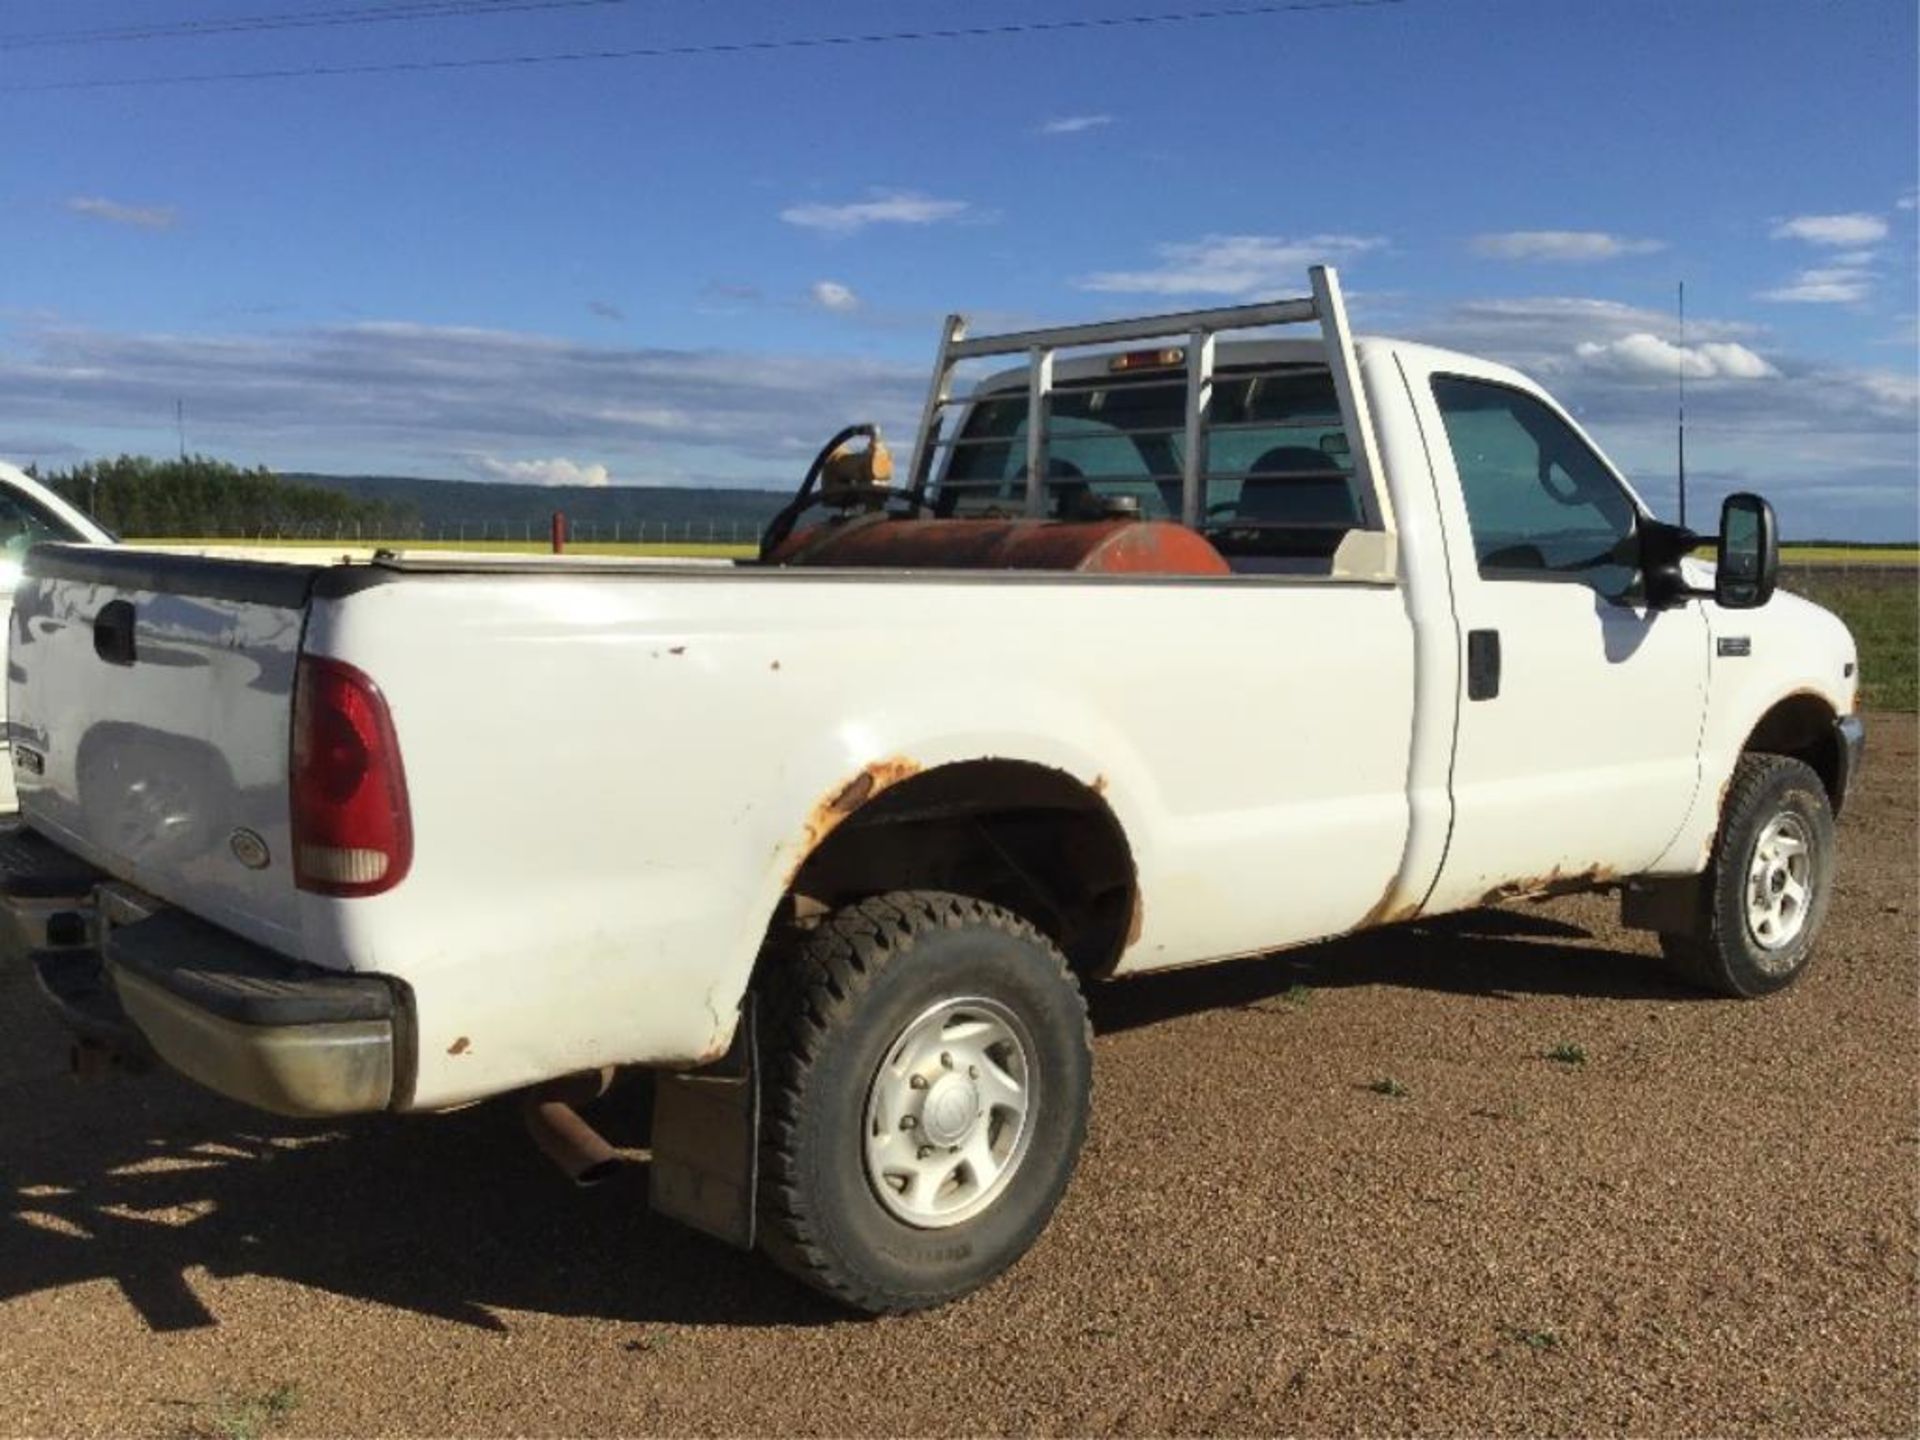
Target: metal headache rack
1197 330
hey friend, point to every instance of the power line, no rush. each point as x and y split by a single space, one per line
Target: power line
726 47
293 20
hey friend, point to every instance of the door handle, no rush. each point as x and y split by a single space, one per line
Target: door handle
113 633
1483 664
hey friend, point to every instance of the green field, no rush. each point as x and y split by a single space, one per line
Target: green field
1882 608
1850 555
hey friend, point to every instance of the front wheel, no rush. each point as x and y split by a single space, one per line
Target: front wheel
1766 892
928 1079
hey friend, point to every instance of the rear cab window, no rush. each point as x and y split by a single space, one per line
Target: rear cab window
1279 489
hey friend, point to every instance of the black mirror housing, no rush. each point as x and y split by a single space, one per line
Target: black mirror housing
1749 563
1662 547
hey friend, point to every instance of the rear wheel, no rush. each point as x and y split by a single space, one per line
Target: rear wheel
928 1076
1765 895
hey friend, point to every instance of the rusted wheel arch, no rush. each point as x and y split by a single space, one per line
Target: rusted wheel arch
1037 840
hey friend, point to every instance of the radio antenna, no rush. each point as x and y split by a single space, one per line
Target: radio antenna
1681 369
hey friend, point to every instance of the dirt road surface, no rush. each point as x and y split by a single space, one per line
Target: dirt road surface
1708 1226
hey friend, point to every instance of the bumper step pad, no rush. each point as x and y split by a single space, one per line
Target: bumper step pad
34 868
237 980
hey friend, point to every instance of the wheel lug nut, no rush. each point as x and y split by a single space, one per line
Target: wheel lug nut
946 1060
925 1151
973 1072
918 1082
907 1122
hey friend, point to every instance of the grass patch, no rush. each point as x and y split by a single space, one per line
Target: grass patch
249 1417
1568 1053
1390 1087
1531 1338
1850 555
1298 996
1882 609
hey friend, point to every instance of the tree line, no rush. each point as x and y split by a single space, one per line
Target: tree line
143 498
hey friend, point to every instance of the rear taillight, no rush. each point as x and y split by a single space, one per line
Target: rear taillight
352 834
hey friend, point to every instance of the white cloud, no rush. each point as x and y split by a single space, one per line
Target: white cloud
1644 355
408 396
832 295
885 208
1232 265
557 471
1908 200
606 310
1850 231
1833 446
1074 124
142 217
1566 245
1844 278
1830 285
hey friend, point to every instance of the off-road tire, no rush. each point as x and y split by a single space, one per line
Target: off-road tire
1722 954
860 977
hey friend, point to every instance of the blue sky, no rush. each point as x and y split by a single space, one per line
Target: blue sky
690 269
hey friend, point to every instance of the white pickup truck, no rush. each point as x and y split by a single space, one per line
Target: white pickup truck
1160 655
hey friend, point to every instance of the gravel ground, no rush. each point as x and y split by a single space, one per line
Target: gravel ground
1707 1227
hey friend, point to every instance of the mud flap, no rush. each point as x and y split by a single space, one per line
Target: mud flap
1672 905
706 1141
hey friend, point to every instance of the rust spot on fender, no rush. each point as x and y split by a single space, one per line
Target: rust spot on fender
1135 922
460 1046
1099 786
1385 912
676 650
853 794
874 777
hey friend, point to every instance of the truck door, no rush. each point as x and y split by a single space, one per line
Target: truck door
1576 751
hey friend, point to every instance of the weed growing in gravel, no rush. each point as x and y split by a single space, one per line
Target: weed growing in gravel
1298 996
248 1417
1568 1053
1391 1087
1532 1339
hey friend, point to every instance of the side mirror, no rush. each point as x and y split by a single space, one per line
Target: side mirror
1662 547
1749 553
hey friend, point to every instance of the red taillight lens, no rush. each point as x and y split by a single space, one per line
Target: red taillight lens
352 832
1147 360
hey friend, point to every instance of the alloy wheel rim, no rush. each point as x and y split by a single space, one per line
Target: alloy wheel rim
949 1114
1780 886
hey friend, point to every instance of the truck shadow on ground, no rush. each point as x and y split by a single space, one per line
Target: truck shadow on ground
1495 954
149 1183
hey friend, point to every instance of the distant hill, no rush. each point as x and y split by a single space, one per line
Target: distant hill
468 508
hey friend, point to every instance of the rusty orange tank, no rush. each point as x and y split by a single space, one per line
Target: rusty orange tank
1101 547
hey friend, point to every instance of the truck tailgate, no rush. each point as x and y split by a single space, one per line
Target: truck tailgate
151 706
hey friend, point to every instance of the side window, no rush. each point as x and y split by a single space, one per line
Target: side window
23 524
1539 501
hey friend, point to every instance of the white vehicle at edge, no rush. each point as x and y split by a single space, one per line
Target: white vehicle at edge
29 513
1239 646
